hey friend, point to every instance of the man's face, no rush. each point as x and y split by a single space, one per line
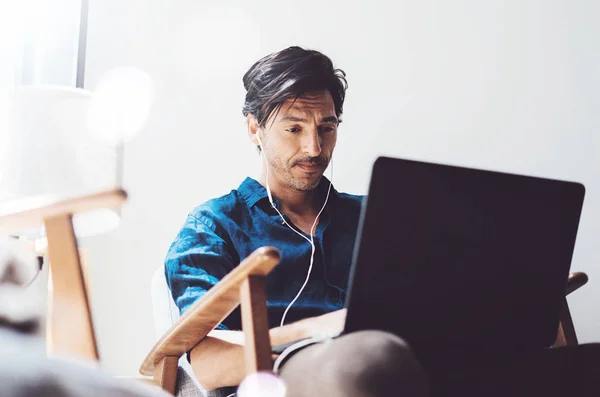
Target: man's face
298 141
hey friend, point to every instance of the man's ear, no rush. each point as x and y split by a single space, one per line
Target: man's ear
253 129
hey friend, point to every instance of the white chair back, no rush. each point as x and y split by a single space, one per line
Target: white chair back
166 314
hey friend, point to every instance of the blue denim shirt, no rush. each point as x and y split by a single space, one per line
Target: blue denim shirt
220 233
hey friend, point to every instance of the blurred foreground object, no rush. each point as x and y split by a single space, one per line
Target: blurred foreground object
58 182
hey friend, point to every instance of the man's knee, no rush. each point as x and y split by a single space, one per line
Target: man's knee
379 363
361 364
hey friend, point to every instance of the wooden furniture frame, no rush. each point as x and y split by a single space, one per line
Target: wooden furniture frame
566 331
70 328
245 285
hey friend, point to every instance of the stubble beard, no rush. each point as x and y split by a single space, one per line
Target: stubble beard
285 172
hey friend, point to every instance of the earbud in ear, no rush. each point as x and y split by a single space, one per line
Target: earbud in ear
259 141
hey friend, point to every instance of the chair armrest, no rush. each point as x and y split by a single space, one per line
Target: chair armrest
210 310
576 280
13 222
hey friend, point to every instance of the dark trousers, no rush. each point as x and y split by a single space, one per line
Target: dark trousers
560 372
348 367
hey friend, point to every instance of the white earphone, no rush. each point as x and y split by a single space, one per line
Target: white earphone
311 240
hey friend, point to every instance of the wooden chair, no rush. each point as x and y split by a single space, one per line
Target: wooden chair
566 332
70 330
245 285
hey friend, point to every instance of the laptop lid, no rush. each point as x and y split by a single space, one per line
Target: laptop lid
462 258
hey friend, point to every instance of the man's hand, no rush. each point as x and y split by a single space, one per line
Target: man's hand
219 360
325 325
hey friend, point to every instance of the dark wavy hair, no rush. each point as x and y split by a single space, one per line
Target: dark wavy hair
291 73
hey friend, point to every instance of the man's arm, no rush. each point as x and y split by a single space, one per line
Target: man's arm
219 360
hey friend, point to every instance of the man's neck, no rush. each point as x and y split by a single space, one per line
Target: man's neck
292 201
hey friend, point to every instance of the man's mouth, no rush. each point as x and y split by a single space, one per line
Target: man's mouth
309 167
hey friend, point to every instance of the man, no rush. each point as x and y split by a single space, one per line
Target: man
293 108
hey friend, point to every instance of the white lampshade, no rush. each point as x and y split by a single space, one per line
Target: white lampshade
47 154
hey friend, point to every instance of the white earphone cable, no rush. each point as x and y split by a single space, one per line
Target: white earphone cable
311 240
312 256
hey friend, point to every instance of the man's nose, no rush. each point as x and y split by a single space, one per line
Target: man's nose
312 144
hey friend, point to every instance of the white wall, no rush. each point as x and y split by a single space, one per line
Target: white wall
511 85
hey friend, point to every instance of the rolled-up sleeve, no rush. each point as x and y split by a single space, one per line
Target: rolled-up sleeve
197 259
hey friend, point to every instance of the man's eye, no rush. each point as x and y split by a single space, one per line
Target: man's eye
293 129
326 129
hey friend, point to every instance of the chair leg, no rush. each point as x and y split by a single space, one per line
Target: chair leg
257 349
165 373
70 322
566 331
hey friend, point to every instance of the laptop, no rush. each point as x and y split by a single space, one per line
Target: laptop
459 259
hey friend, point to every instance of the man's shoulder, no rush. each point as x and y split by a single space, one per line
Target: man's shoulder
228 206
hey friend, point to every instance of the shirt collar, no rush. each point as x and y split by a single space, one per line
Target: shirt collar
252 191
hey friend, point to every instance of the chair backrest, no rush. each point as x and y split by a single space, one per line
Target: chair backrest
166 314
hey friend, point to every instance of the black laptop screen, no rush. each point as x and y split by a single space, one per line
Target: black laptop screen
465 258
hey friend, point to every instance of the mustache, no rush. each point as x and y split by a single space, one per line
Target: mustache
320 160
